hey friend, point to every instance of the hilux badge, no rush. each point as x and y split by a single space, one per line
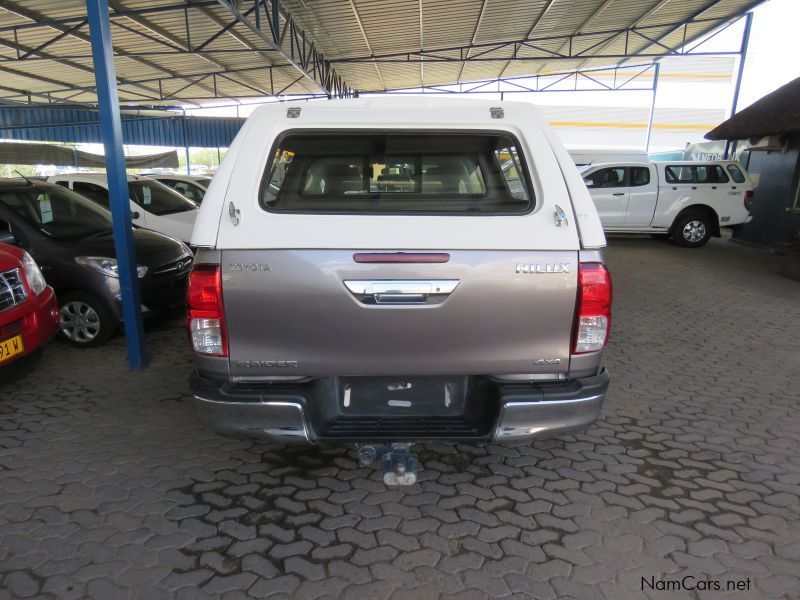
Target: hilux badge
547 268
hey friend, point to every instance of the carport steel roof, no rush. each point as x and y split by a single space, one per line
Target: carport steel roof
171 51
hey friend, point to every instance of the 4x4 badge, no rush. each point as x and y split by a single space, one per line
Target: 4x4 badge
548 361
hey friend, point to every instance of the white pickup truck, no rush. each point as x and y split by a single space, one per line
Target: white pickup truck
688 200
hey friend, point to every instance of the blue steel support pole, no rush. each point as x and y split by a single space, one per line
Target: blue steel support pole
730 147
652 108
111 127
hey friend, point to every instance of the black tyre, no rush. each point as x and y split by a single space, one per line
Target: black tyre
692 230
85 320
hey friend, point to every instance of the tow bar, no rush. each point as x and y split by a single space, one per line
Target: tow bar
399 464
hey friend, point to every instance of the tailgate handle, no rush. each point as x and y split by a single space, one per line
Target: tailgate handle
410 291
391 298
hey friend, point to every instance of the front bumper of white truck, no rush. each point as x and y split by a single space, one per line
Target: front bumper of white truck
475 409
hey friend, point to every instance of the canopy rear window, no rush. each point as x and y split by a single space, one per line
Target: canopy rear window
396 173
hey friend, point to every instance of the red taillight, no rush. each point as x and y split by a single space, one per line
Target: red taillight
748 199
593 310
205 315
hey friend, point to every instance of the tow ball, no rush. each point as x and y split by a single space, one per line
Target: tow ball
399 464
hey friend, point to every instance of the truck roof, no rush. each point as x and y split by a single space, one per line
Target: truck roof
392 110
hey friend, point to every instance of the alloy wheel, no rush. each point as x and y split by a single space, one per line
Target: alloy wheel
79 321
694 231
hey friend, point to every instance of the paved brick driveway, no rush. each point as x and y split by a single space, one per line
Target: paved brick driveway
109 488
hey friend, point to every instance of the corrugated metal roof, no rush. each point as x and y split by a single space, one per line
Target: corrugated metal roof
172 51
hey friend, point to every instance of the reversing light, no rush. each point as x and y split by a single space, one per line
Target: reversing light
593 311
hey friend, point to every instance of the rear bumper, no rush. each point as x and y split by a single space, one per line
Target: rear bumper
281 411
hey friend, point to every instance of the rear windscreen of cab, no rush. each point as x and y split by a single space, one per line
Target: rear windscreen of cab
396 173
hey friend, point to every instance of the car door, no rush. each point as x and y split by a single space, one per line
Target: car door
610 193
643 196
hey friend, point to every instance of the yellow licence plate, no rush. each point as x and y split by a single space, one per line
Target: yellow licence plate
11 347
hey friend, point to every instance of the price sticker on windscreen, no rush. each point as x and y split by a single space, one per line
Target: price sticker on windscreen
45 208
146 195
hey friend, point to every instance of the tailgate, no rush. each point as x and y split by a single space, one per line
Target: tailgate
322 313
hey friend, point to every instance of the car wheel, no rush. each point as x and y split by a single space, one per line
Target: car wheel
85 321
692 230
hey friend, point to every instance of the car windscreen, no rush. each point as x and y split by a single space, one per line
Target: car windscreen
158 199
397 173
191 190
58 213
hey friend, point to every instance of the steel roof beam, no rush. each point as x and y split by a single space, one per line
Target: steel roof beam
421 47
474 36
192 78
366 39
545 9
35 16
439 54
311 65
51 23
27 50
705 8
24 93
585 24
227 29
168 37
661 4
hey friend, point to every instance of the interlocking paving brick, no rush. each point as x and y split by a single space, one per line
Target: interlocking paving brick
110 487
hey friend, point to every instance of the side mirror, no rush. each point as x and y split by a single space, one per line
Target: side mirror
6 237
589 183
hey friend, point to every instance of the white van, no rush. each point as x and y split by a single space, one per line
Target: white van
373 270
153 205
688 200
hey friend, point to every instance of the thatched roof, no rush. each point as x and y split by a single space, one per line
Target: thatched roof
775 113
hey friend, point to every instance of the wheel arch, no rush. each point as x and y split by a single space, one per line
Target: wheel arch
704 209
77 289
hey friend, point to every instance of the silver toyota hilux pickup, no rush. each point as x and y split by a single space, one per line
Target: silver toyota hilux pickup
386 271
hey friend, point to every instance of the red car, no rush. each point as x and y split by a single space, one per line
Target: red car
28 308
